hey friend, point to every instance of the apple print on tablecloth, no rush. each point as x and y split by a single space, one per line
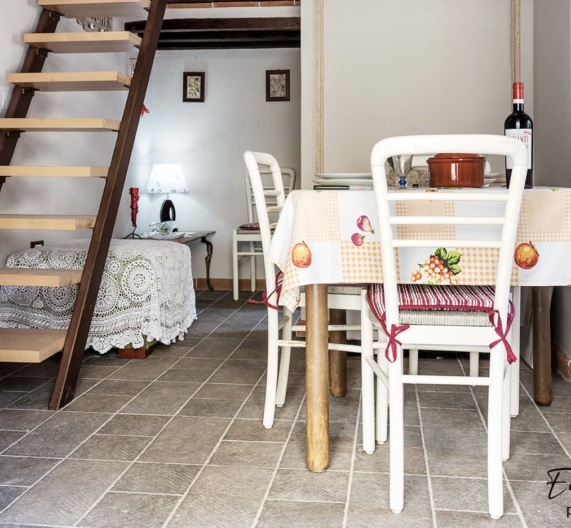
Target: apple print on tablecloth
526 256
440 268
301 255
364 224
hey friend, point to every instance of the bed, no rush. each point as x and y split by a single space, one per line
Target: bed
146 293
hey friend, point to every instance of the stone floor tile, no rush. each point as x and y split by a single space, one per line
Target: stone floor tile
279 514
65 494
225 497
186 440
24 471
130 510
59 436
173 479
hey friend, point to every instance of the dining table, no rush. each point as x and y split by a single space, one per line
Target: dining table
329 237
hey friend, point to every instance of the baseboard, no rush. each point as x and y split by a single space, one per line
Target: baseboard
226 284
562 362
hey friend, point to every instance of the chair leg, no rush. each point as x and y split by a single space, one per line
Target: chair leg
252 268
368 380
474 364
515 342
495 411
272 369
413 361
285 355
235 290
382 418
506 417
396 411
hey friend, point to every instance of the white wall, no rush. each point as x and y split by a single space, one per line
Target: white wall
209 138
552 125
49 195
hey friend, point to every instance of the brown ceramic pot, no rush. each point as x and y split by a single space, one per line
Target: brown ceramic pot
456 170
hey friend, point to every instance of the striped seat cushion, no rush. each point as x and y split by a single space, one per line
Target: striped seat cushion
342 289
253 226
438 305
441 306
423 304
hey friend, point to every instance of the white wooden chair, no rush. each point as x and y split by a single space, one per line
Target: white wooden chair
453 317
343 298
246 238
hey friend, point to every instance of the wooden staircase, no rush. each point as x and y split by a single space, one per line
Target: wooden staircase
31 345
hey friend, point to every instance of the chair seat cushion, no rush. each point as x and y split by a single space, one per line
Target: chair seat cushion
438 305
342 289
433 305
253 226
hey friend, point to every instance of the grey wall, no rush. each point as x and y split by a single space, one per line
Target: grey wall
552 125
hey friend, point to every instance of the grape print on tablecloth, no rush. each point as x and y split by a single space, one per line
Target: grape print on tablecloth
442 267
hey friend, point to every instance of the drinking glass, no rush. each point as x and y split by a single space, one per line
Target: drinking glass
401 165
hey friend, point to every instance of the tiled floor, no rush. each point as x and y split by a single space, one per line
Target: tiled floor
176 440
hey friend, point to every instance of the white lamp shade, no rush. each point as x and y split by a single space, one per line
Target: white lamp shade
167 178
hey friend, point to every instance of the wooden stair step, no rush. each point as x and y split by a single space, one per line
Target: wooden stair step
60 124
84 42
54 171
71 81
24 345
50 278
55 222
96 8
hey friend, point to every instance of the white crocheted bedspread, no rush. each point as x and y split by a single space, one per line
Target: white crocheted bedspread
146 293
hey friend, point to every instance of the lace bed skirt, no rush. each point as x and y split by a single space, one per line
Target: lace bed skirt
146 293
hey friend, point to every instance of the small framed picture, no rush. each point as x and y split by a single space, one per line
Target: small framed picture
277 85
193 87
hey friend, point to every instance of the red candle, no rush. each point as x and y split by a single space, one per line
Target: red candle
134 192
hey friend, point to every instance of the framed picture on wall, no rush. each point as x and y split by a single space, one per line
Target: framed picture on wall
277 85
193 87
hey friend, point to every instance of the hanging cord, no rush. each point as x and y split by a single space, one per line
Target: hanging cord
391 349
277 290
498 327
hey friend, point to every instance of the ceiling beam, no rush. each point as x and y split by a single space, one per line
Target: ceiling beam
226 33
184 4
193 24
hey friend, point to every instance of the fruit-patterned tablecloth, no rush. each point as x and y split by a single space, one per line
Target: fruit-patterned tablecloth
330 237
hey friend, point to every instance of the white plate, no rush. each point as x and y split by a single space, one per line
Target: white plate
350 182
344 175
160 236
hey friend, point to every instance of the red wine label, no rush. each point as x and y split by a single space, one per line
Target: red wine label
525 135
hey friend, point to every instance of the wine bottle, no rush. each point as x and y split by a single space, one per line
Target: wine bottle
520 126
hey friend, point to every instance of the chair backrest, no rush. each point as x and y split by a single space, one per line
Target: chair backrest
269 201
418 219
288 178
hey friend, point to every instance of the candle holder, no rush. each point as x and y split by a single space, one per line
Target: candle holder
134 193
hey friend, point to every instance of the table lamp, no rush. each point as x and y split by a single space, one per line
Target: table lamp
167 178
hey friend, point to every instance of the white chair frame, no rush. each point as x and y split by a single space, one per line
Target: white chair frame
246 243
390 375
279 348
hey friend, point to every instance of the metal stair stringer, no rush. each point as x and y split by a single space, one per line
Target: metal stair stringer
80 323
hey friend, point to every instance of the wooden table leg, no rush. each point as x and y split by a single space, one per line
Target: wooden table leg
541 308
317 374
337 358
